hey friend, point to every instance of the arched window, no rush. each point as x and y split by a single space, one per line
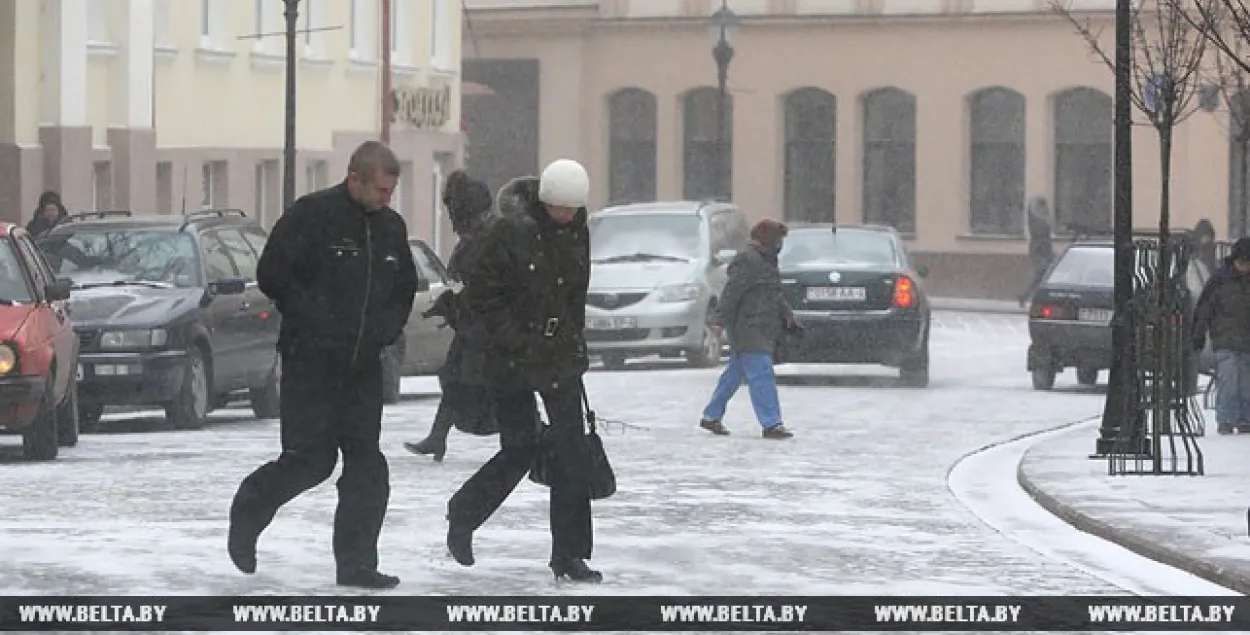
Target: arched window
889 155
631 146
1083 158
707 153
1239 164
996 168
811 116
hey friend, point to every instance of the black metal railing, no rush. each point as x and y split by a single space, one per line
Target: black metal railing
1159 435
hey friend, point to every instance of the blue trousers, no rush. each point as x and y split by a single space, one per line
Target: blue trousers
757 370
1232 396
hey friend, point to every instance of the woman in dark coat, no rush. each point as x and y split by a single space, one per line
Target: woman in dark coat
465 402
49 213
1204 244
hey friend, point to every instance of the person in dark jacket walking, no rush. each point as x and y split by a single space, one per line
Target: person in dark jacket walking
465 398
1041 243
1223 311
48 214
529 290
339 268
756 316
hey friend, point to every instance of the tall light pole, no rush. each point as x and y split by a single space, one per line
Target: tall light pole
1121 406
288 138
723 27
388 92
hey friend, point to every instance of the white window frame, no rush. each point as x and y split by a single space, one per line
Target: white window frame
160 23
316 175
210 173
98 22
313 17
440 35
101 185
353 29
212 24
401 40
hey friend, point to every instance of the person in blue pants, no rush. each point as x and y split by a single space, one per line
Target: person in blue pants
754 315
1223 312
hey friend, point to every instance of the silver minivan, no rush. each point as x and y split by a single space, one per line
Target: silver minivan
657 271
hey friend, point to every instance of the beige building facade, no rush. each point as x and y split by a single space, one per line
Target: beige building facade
939 117
165 105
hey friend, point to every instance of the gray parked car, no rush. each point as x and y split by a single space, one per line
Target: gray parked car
657 271
422 348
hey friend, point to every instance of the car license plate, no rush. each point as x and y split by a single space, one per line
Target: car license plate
836 294
1094 315
611 323
81 374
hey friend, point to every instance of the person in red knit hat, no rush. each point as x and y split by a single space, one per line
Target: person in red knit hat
755 314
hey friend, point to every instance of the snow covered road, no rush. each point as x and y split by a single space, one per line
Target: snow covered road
857 503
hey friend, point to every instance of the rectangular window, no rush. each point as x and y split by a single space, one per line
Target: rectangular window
267 191
160 22
213 24
353 27
997 188
102 185
441 35
400 46
98 21
164 187
316 176
213 185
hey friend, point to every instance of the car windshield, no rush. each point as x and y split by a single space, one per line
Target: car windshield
124 256
644 238
806 248
13 285
1084 267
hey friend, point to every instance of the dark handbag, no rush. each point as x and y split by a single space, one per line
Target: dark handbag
602 477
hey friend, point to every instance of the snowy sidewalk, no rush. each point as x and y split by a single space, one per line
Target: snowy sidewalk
1195 523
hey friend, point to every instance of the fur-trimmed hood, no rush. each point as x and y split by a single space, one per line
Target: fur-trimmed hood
517 196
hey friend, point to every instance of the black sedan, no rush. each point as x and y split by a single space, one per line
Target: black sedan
858 299
1070 315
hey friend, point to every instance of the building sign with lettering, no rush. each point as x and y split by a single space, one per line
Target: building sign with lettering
423 107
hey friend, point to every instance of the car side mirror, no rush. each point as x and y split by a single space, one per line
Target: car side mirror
423 283
59 290
725 256
922 271
227 286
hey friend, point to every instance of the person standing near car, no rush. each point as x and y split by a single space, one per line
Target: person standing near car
755 314
339 268
465 399
48 214
1041 243
1223 311
529 290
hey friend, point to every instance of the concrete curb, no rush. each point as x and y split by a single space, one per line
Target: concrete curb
973 305
1128 539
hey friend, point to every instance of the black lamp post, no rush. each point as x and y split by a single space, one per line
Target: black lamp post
1121 406
723 27
291 14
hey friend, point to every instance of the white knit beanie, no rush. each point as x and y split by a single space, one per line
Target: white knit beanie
564 182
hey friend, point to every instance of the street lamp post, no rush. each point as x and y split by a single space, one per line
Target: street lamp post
723 27
1120 409
288 138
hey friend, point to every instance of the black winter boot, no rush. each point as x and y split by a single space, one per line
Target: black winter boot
435 442
575 569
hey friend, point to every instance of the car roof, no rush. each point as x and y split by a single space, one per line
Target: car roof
666 208
125 219
865 227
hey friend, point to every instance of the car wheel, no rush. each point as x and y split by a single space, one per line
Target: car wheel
613 361
39 441
914 372
89 415
1043 378
1087 376
391 377
67 417
266 400
189 409
708 354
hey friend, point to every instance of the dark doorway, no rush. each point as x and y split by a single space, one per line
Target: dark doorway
811 124
503 125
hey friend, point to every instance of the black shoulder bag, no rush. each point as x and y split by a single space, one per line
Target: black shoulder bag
599 471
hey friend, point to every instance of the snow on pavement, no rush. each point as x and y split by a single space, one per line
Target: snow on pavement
856 504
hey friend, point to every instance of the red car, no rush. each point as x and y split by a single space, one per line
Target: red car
38 350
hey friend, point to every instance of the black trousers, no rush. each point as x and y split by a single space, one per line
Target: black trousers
517 411
327 407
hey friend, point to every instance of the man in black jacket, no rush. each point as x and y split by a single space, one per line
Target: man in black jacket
339 268
1223 310
529 292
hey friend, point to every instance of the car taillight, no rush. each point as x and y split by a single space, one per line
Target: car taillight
904 293
1052 312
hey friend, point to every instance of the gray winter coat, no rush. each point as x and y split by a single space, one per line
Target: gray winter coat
752 309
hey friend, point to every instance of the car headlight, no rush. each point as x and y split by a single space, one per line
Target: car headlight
678 292
8 359
134 339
